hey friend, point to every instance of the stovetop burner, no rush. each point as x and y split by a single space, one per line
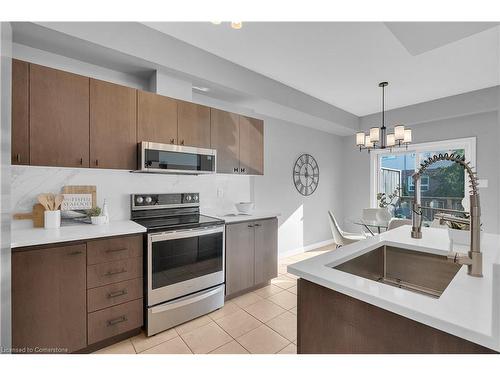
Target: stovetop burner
177 222
163 212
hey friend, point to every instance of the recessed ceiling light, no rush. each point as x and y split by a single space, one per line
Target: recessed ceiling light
237 25
200 88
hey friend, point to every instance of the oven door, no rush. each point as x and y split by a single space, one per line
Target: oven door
184 262
164 158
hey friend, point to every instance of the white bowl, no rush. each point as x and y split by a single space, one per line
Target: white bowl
244 207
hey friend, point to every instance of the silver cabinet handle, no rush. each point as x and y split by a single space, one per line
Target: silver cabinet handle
116 250
78 252
235 170
121 319
117 294
111 273
242 170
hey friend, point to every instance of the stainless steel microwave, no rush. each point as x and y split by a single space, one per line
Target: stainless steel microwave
167 158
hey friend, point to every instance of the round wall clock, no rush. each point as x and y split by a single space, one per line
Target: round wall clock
306 174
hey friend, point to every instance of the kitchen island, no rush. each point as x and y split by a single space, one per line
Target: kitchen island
340 311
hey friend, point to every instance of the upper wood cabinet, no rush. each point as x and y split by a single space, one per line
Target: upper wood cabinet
156 118
20 113
49 298
251 146
58 118
193 123
113 133
225 138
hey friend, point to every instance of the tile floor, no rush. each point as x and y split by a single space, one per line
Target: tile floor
262 322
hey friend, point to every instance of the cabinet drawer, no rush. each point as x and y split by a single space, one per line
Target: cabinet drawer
114 320
113 294
116 248
113 272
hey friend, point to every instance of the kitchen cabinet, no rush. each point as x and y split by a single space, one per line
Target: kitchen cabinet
239 141
240 255
251 146
20 113
58 118
266 259
113 133
225 138
251 254
49 298
79 296
193 122
156 118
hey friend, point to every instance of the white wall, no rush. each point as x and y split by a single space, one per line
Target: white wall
5 105
483 126
304 220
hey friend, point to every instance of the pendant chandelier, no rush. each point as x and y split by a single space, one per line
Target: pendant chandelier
378 138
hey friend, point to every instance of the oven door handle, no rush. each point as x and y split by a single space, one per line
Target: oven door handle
186 301
186 233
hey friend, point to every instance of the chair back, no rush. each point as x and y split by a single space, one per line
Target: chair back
337 233
396 222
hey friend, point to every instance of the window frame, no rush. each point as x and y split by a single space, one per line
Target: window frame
467 144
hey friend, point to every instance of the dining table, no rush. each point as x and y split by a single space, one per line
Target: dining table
372 225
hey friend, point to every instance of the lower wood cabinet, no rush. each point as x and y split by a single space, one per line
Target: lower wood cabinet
76 297
251 254
49 299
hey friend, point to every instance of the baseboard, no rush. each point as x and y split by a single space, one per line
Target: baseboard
303 249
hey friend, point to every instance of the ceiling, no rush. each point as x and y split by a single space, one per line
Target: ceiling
342 63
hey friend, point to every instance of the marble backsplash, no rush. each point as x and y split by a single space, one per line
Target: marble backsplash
218 193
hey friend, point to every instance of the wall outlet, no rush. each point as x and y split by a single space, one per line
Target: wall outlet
220 192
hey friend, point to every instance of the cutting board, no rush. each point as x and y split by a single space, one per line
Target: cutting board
37 215
82 189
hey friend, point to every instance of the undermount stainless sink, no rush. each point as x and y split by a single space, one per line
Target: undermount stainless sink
419 272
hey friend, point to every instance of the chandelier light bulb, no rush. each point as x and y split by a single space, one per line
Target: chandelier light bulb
360 139
237 25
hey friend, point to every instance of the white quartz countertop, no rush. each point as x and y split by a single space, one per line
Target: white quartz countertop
233 217
469 307
41 236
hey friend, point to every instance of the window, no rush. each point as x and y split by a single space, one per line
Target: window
442 187
424 183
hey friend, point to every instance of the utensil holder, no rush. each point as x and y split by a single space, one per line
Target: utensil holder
52 219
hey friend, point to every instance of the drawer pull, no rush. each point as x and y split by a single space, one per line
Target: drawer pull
117 294
116 250
76 253
111 273
250 226
113 322
257 225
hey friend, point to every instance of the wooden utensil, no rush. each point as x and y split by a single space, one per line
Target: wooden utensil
52 201
44 201
36 215
58 200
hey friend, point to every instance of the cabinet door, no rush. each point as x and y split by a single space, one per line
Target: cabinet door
20 112
49 298
266 250
193 125
156 118
59 118
239 257
225 138
251 146
113 133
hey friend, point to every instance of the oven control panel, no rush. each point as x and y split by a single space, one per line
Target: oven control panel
165 200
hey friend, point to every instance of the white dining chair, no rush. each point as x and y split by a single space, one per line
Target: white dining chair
341 237
396 222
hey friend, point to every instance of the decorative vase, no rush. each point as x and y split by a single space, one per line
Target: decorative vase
98 220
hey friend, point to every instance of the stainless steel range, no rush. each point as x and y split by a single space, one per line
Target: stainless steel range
184 264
